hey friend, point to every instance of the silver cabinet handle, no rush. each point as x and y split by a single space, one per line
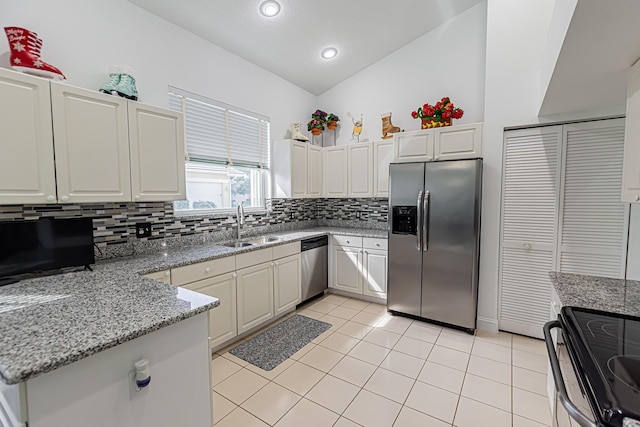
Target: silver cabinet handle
51 199
65 198
419 224
167 273
207 269
425 221
573 411
234 275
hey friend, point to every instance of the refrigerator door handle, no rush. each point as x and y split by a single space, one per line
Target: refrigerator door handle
418 220
426 206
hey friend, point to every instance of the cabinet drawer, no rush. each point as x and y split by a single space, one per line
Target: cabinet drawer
287 249
253 258
347 241
160 276
202 270
374 243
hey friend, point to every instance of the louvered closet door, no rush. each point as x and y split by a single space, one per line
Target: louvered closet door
592 235
529 223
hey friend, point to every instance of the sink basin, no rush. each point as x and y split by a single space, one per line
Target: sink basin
264 239
236 244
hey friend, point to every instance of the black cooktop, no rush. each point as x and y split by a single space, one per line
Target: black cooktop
607 346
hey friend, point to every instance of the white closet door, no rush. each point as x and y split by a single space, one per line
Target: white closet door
592 235
529 227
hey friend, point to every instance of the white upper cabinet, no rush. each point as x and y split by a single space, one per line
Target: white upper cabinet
360 170
445 143
416 146
296 170
335 171
458 142
27 173
104 145
382 157
631 168
156 142
314 171
91 145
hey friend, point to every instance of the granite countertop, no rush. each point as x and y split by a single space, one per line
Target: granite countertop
599 293
53 321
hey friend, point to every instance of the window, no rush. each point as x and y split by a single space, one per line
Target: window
227 152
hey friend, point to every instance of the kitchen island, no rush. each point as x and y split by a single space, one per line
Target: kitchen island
70 341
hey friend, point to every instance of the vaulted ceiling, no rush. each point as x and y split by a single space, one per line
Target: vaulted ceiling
289 44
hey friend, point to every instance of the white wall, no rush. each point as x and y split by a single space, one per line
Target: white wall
448 61
83 38
633 266
516 37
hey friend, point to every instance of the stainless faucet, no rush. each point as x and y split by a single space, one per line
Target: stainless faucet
240 219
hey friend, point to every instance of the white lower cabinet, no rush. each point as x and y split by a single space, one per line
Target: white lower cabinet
253 288
359 266
223 323
255 296
347 274
375 273
286 283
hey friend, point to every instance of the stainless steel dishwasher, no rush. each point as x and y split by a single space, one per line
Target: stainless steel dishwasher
314 266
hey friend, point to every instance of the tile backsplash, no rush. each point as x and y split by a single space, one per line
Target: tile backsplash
114 223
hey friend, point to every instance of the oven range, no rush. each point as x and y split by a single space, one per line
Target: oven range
596 368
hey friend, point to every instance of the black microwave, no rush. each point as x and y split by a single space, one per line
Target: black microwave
44 246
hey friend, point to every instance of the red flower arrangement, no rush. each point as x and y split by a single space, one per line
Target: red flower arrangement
441 113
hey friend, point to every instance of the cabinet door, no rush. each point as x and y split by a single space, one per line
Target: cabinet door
413 146
360 170
631 168
287 286
592 232
27 173
298 169
529 225
314 171
382 157
91 136
255 296
375 273
222 319
347 274
156 143
458 142
335 171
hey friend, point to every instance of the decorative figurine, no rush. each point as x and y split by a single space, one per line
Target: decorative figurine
388 127
297 134
25 54
357 127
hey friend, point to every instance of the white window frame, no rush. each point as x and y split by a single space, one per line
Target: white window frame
264 182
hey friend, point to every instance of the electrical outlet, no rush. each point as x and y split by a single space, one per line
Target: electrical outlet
143 229
358 214
292 215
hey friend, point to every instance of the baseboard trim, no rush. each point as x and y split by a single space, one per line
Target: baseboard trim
487 324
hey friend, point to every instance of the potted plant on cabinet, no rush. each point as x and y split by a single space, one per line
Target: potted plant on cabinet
317 122
437 115
332 121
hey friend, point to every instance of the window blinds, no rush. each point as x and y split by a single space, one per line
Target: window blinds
222 134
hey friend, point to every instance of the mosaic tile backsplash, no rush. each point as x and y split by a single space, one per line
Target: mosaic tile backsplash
114 223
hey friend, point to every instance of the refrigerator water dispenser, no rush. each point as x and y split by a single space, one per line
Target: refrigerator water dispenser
405 220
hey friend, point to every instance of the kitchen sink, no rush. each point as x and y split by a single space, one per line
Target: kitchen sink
236 244
264 239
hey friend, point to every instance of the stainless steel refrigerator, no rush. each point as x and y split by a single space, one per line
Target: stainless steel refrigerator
434 240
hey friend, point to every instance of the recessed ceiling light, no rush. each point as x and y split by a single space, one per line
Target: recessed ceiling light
270 8
329 52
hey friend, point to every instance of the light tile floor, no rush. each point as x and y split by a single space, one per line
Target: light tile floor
372 369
